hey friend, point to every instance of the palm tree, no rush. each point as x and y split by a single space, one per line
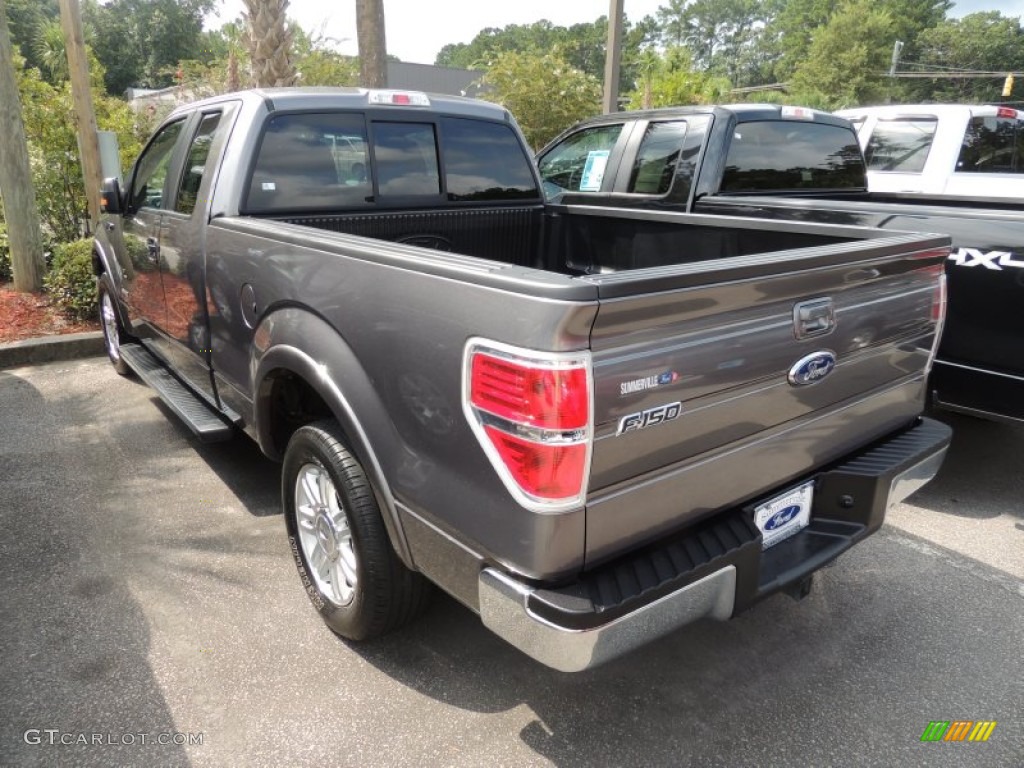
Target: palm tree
270 43
49 49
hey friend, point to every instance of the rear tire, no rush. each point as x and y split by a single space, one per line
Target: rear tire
113 330
337 536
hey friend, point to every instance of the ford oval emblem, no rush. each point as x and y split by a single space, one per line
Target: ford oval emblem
813 368
782 517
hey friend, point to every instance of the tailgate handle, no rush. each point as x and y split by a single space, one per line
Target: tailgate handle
814 318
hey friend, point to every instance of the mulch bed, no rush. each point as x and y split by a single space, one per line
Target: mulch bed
28 315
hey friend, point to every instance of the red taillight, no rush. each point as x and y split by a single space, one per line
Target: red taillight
543 471
1006 112
531 413
549 398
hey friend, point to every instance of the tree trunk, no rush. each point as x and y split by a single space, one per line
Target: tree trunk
19 197
85 115
270 43
373 65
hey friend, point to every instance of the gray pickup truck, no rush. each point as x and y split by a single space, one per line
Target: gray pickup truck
589 425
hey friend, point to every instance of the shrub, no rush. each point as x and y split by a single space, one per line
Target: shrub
5 257
71 281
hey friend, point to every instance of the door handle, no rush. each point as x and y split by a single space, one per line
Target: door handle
153 248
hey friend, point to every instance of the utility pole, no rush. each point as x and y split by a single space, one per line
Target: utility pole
613 57
373 50
19 197
85 117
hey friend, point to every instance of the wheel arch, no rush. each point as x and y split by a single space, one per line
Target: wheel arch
299 355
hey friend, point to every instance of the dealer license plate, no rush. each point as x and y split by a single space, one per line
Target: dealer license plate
784 515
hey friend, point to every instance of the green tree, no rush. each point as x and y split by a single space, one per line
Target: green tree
140 42
543 91
846 62
799 21
726 37
49 50
985 41
53 145
671 80
318 63
582 46
24 19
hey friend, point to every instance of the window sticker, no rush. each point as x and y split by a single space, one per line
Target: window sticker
593 171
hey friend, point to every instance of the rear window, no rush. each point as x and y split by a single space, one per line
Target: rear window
311 162
901 144
992 145
331 160
783 155
485 161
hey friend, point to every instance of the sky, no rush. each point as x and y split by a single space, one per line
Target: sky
416 30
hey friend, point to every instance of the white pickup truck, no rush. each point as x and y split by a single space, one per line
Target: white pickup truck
942 149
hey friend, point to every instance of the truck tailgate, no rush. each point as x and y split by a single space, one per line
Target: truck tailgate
719 380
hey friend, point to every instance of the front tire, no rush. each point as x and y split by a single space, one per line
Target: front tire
113 331
344 558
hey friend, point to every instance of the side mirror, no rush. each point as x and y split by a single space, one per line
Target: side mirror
110 196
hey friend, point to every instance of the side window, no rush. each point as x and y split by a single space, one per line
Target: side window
992 145
151 168
484 161
195 164
901 144
656 162
406 159
309 162
783 155
578 163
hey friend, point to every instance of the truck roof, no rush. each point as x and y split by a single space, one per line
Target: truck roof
742 112
938 110
313 98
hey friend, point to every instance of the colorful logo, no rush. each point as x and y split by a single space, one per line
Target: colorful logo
958 730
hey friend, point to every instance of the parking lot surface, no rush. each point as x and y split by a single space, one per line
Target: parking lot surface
149 597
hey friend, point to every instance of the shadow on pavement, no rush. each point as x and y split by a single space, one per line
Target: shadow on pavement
74 643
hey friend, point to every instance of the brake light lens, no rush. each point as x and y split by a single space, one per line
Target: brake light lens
399 98
531 412
550 398
1006 112
542 471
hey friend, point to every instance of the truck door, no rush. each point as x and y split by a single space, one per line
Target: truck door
148 197
185 337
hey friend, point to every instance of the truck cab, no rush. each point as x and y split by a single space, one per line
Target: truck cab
942 149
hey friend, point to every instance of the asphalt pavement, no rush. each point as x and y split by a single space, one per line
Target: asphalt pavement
148 596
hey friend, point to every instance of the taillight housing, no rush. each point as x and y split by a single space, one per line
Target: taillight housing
533 415
937 271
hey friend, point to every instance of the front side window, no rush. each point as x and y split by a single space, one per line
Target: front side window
992 145
309 162
784 154
484 161
656 162
578 163
901 144
151 168
195 164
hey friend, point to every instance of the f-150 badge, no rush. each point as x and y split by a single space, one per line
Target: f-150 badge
975 257
649 418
